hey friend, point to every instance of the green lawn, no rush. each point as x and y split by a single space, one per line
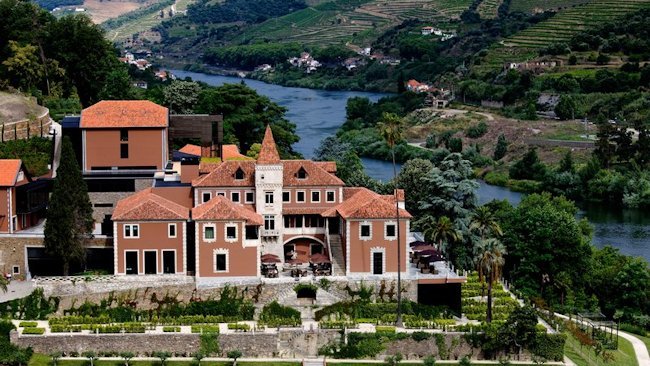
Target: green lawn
582 356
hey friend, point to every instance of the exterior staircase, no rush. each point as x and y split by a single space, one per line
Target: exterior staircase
336 255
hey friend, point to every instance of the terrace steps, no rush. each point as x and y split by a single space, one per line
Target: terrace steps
336 255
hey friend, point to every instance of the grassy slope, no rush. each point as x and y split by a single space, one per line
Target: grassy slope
624 356
344 22
561 27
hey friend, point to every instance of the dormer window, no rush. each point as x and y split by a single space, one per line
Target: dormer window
239 174
302 173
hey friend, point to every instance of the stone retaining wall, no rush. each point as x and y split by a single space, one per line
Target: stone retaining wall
37 126
286 343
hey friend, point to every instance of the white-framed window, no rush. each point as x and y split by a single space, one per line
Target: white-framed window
300 196
250 197
268 198
132 231
231 232
330 196
206 196
365 231
221 260
286 196
390 230
209 232
315 196
222 194
269 222
234 196
171 230
15 270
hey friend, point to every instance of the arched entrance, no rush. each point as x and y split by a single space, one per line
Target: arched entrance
302 248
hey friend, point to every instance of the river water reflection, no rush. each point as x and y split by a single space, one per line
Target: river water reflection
319 113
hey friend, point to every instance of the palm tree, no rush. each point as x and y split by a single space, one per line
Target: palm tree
485 223
391 128
440 231
489 262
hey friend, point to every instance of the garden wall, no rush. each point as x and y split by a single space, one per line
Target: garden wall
286 343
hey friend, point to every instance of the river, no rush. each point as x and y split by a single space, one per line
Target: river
319 113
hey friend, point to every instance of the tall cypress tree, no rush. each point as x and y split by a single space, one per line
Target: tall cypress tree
69 215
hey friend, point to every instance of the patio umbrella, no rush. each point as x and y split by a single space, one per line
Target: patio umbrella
271 259
294 261
421 248
319 258
269 255
429 252
418 242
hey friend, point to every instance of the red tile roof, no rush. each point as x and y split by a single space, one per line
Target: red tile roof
221 208
269 151
207 168
124 113
146 205
9 169
328 166
191 150
223 175
303 210
362 203
316 175
229 152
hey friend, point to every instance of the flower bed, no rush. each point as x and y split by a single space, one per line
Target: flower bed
239 327
28 324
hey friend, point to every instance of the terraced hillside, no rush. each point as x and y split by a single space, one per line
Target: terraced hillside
488 8
340 21
535 6
145 19
562 27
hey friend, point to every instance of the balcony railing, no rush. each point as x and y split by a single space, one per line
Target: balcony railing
270 232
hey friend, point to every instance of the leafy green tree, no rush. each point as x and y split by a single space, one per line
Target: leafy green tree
69 221
198 356
544 239
254 150
391 128
519 331
502 147
163 356
91 356
528 167
441 231
429 361
411 180
181 96
394 360
82 51
55 356
566 108
347 161
246 115
127 356
24 67
234 354
118 86
566 164
489 262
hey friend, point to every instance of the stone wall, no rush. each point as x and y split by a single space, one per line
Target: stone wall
13 250
37 126
285 343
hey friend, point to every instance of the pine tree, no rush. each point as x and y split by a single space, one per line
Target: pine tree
502 148
69 215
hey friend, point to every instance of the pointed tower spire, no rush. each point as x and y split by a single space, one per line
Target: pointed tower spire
269 152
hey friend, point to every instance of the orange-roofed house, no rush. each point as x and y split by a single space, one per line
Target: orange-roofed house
124 135
227 239
150 234
19 207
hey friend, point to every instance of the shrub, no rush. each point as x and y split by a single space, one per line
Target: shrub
239 326
171 329
209 343
477 131
304 290
34 330
549 346
420 336
28 324
337 324
385 329
275 315
205 328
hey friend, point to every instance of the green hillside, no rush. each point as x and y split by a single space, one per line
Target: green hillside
561 27
357 21
534 6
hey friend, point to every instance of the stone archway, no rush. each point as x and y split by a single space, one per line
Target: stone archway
302 247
